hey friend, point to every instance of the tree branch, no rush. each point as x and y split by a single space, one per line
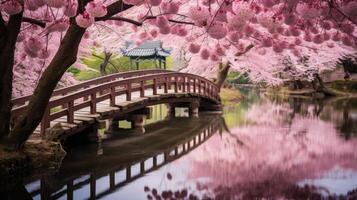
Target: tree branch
249 47
137 23
34 21
114 9
170 20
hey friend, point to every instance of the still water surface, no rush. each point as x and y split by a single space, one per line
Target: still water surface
262 147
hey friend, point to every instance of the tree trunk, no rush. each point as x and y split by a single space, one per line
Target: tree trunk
222 74
224 68
8 37
319 86
63 59
105 62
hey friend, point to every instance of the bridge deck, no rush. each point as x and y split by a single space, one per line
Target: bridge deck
76 107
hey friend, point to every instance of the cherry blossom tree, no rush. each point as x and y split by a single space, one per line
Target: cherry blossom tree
50 35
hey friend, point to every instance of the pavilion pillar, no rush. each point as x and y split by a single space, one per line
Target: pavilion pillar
131 63
165 63
160 64
137 64
155 60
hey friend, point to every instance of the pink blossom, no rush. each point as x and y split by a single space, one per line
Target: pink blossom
199 15
56 3
306 11
182 31
154 33
326 36
261 51
307 37
318 39
21 37
84 20
350 9
221 16
170 7
297 41
336 37
235 22
11 7
242 10
162 21
31 5
34 43
269 3
267 42
154 2
249 30
96 9
205 54
214 57
217 30
219 50
326 25
289 19
32 46
194 48
347 40
134 2
330 45
347 28
165 30
277 48
71 9
43 54
59 25
233 36
294 31
118 22
173 7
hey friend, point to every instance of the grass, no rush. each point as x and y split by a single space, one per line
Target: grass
349 86
117 63
230 96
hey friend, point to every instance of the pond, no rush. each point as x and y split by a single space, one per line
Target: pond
262 147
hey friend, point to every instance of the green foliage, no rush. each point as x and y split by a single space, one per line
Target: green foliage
116 64
237 78
73 70
345 85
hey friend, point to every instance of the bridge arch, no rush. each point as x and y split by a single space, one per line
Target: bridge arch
81 105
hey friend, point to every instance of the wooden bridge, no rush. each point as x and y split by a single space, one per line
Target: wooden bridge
76 107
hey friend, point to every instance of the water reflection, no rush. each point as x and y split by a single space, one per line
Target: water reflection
265 148
287 149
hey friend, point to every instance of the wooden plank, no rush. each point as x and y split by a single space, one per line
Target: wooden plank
84 114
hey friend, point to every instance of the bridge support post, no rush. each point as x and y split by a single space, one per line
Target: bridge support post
138 123
112 125
170 111
193 109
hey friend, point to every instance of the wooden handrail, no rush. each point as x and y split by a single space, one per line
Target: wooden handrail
92 92
62 91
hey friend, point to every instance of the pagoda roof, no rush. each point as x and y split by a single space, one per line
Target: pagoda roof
147 49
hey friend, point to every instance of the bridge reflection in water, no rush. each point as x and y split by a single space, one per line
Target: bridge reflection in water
66 183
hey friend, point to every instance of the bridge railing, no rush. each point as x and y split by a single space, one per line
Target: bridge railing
86 84
89 97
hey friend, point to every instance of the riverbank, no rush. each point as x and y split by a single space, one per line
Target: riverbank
37 155
230 96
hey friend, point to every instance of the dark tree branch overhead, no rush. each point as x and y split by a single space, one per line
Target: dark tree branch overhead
114 9
34 21
137 23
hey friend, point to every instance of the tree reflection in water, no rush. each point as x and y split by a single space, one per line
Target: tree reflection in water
285 150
